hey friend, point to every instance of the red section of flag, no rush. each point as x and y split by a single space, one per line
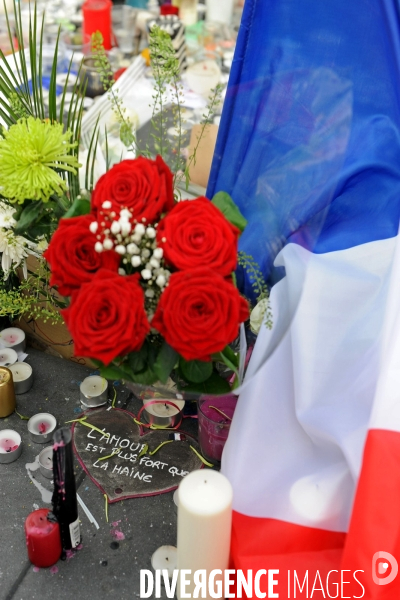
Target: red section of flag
375 522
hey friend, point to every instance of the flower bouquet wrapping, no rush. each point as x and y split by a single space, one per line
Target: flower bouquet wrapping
151 281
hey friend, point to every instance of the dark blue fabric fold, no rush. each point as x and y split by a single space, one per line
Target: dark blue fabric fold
309 140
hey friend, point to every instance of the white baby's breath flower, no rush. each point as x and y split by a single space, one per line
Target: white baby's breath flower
161 281
257 315
106 204
151 233
125 227
125 214
98 247
154 263
146 273
140 229
146 253
93 226
121 271
120 249
115 227
108 244
149 293
158 253
132 249
135 261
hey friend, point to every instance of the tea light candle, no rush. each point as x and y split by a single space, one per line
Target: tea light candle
22 376
10 445
161 412
8 356
164 558
94 391
13 337
204 523
46 462
41 427
43 538
7 393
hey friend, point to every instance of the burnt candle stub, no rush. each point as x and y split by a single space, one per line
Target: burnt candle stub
41 427
10 445
64 500
46 462
14 338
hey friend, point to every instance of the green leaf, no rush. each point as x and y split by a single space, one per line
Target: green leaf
112 372
226 205
137 360
29 214
195 371
80 206
213 385
165 362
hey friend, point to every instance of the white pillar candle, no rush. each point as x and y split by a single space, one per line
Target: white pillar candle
41 427
13 337
94 391
10 445
204 524
22 377
8 357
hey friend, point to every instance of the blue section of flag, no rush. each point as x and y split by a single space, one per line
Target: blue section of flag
309 141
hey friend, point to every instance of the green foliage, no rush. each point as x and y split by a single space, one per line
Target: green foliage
166 360
195 371
213 101
213 385
257 281
103 67
80 206
226 205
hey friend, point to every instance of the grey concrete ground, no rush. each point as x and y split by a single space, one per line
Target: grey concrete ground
100 569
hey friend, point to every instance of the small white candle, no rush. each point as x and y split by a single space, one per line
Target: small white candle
162 409
46 462
94 391
22 377
13 337
10 445
204 523
164 558
8 357
41 427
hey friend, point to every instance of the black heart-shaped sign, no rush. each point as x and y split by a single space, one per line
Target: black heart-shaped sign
116 459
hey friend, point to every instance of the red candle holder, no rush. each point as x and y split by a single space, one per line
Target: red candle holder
43 539
97 17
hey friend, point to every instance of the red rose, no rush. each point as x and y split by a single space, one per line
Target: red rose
106 317
196 233
143 186
199 313
72 257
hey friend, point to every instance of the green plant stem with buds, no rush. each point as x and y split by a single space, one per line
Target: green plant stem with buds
258 283
103 67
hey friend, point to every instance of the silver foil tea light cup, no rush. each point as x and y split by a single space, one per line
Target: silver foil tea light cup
10 446
94 391
46 462
14 338
41 427
22 377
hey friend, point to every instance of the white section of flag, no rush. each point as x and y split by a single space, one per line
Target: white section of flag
295 448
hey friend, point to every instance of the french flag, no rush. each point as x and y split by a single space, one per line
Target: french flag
309 148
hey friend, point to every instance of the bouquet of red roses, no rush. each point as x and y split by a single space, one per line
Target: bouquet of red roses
150 279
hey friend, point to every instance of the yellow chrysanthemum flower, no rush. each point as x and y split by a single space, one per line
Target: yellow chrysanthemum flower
31 153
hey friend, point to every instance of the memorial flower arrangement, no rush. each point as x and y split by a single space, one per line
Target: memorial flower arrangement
150 279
